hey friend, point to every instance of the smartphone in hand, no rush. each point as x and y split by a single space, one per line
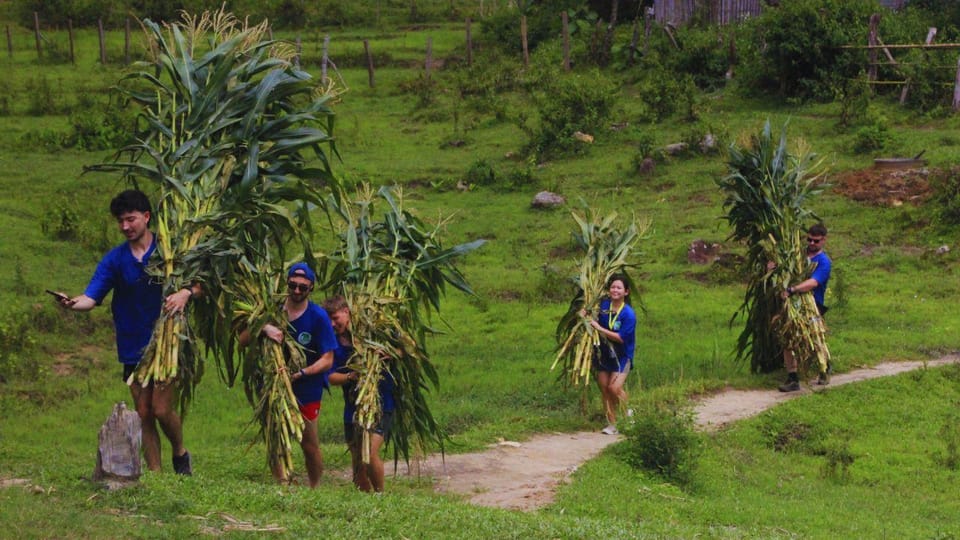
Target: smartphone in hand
59 296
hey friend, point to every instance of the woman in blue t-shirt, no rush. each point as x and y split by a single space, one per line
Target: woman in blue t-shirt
617 324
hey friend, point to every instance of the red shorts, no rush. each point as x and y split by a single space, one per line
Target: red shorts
310 411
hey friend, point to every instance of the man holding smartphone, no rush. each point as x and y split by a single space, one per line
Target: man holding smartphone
136 304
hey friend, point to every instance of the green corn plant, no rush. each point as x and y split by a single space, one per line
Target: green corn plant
236 140
267 365
393 272
606 247
767 190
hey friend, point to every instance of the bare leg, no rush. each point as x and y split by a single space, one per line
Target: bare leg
789 362
150 437
375 467
311 452
618 394
360 478
603 381
164 409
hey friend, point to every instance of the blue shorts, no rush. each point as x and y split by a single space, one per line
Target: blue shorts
352 432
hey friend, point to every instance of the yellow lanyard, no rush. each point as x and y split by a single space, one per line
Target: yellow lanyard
612 321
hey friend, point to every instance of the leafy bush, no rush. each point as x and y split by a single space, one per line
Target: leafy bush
481 173
950 434
40 100
796 47
664 94
704 55
99 124
567 104
872 137
16 336
425 89
945 202
661 437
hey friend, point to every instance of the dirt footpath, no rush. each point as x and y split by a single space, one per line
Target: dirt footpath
524 476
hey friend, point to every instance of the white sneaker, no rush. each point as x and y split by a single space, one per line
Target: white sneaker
610 430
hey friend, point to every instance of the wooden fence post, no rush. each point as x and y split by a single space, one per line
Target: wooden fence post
9 43
325 59
956 89
366 48
36 33
126 41
647 27
296 59
566 40
429 58
103 45
931 33
73 58
523 40
872 41
469 44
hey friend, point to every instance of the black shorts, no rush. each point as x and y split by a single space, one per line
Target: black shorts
128 370
351 431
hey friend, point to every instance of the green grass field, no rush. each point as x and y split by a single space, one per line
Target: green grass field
899 296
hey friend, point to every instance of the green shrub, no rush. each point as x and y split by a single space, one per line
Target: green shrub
945 201
664 93
661 437
567 104
871 138
950 435
16 336
425 89
40 99
481 173
796 49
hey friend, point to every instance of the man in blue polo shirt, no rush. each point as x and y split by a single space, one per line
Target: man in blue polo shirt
310 327
816 283
136 304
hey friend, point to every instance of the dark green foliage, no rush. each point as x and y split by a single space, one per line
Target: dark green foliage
704 54
567 104
100 124
665 93
16 336
872 137
796 48
425 89
945 203
661 438
481 173
950 435
40 97
931 75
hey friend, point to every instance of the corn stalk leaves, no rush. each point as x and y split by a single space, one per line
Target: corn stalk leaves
766 194
235 141
392 272
606 249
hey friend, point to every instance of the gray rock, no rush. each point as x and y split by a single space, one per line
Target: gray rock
547 199
118 453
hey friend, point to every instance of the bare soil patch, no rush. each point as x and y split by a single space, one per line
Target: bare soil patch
884 187
525 475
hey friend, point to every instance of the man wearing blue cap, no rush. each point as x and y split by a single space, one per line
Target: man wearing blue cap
310 327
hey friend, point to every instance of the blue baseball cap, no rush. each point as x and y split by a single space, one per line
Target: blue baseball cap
302 269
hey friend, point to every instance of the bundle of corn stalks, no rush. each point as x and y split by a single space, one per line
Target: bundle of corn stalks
227 127
267 366
606 252
393 273
767 190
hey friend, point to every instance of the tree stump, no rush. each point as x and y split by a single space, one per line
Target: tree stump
118 453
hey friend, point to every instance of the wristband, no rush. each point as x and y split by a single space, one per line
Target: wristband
789 291
302 373
189 290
